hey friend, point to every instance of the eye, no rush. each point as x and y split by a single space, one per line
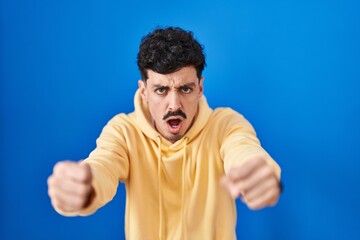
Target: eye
186 89
160 91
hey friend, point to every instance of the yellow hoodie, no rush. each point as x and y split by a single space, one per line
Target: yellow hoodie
173 189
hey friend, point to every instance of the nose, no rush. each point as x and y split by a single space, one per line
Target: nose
174 101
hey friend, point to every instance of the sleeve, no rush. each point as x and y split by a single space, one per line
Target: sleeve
109 164
240 143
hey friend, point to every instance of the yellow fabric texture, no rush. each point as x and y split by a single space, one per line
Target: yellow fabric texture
172 189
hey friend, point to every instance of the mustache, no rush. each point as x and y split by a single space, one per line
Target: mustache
173 114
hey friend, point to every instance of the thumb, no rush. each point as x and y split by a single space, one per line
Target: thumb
85 173
229 186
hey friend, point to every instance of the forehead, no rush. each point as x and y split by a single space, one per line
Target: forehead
185 75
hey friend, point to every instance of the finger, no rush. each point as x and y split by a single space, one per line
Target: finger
66 202
71 187
77 171
246 169
61 185
261 189
231 187
225 182
253 181
86 171
269 198
242 186
64 199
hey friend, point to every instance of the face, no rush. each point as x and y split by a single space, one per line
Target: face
173 100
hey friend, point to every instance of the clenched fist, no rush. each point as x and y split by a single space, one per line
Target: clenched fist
254 182
69 186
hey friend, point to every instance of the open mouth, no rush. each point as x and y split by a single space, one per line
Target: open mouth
174 125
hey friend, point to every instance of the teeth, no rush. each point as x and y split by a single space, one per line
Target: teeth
174 124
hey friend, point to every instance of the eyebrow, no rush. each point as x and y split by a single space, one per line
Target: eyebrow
191 84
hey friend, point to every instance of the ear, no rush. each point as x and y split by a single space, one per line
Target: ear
142 87
201 86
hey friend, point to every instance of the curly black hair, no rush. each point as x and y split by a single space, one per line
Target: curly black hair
166 50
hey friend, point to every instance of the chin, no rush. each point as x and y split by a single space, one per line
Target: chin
174 138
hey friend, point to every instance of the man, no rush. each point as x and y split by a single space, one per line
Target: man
183 163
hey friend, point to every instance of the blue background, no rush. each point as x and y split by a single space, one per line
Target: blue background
291 67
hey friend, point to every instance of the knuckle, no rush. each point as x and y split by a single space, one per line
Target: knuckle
233 173
51 193
270 199
59 166
274 202
245 187
55 202
50 180
268 171
271 196
274 184
258 161
254 206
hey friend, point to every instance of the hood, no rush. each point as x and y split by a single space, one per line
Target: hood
143 119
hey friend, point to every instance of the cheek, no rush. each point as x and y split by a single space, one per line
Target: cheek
155 100
156 109
192 108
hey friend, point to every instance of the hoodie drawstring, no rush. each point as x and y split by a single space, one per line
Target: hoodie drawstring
160 190
183 191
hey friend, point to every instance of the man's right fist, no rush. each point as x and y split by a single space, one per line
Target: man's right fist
69 186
